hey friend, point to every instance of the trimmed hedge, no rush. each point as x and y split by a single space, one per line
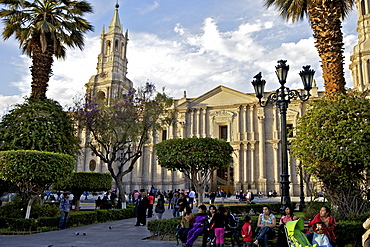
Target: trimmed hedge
75 219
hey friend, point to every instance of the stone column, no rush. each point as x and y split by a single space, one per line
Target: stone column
276 163
191 122
204 122
239 123
261 146
198 126
245 120
253 166
251 123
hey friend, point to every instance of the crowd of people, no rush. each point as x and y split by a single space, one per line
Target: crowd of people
215 223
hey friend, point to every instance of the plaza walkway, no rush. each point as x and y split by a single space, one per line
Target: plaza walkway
113 234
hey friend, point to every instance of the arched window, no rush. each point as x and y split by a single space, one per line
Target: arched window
100 95
116 46
108 50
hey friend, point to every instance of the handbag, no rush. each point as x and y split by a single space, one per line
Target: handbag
186 224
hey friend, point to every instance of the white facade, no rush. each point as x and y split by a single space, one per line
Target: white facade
253 131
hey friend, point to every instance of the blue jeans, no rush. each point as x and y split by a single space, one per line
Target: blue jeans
264 235
63 220
175 212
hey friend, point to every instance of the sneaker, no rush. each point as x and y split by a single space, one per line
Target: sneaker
255 242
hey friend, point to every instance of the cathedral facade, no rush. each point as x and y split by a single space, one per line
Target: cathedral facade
224 113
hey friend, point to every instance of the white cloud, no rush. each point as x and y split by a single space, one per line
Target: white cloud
191 61
149 8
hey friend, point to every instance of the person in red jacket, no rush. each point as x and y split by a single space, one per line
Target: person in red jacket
328 226
151 203
247 232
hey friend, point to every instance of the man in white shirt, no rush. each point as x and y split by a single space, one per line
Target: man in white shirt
191 196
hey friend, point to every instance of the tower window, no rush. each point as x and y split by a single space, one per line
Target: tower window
108 47
116 45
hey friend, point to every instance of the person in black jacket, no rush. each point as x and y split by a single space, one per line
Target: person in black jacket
159 208
142 205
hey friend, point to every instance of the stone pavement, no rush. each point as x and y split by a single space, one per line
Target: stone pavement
122 233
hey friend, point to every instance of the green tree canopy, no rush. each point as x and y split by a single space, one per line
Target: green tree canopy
38 125
333 141
34 171
195 157
119 130
78 182
45 28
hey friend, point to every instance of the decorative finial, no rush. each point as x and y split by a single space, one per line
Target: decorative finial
117 5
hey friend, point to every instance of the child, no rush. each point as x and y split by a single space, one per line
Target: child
246 231
319 237
218 224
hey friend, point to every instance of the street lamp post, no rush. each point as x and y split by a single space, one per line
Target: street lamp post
282 97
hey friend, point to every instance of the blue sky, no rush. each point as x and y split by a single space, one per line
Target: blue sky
182 45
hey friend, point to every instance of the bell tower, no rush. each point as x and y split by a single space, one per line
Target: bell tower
111 79
360 59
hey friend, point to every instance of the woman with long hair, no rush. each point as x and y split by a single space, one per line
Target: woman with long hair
287 216
266 222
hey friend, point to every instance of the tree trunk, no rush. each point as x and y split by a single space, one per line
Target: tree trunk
29 205
76 198
40 69
324 17
121 191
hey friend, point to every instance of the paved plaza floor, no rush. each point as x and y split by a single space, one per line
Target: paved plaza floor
120 233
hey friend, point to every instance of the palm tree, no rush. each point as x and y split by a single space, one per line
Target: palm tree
325 18
44 28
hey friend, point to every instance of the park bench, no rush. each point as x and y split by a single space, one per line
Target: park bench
272 241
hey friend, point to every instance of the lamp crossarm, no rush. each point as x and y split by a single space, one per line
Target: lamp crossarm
273 97
294 94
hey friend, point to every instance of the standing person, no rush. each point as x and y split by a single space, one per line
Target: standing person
223 195
175 206
247 232
328 226
198 226
191 198
159 208
249 196
218 224
182 202
212 198
267 223
64 208
142 205
151 204
169 197
86 195
287 216
366 236
136 195
185 225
